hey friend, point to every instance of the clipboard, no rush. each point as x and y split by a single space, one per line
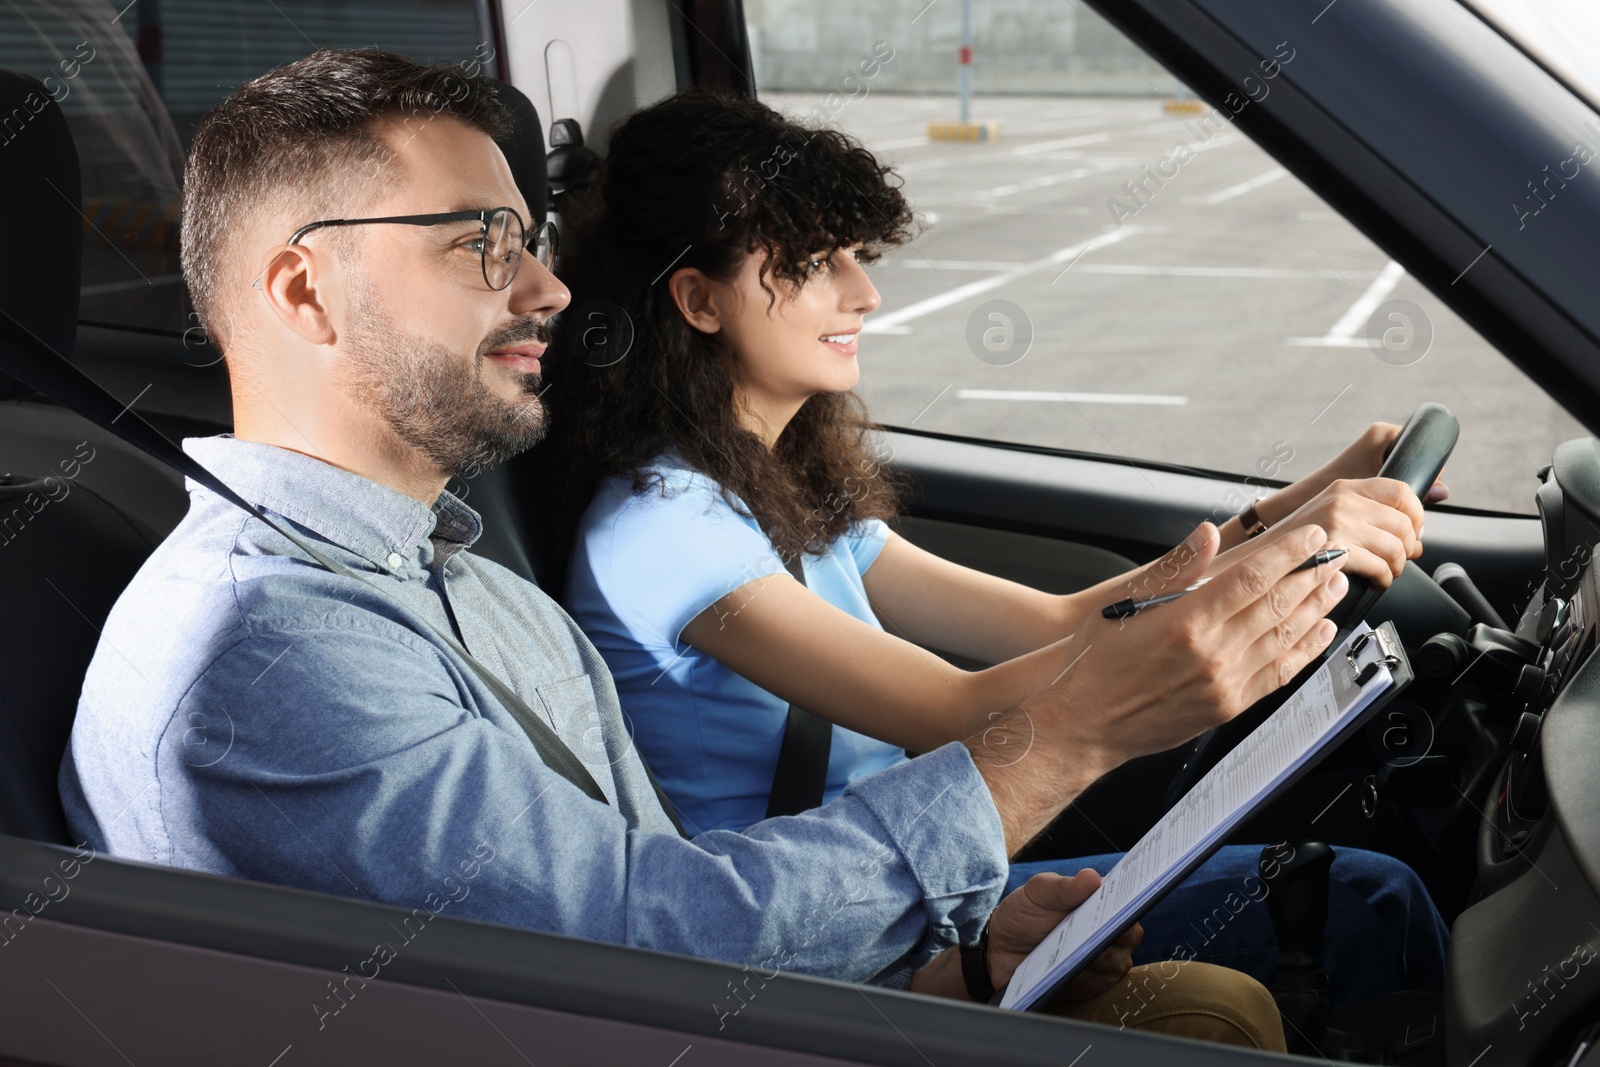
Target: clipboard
1358 677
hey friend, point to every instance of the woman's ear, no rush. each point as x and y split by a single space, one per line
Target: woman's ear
692 291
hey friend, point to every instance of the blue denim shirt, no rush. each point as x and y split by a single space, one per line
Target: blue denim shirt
249 713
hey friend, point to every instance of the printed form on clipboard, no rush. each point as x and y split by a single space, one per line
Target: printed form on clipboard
1360 675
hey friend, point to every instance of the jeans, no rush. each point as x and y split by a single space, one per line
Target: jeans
1383 932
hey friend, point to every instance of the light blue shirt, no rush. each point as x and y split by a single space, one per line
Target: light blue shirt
249 713
643 565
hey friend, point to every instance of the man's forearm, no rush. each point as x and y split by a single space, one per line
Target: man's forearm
1031 778
941 977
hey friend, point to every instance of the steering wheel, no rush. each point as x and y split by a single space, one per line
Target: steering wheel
1416 456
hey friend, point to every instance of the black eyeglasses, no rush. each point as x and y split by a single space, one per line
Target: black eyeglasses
504 238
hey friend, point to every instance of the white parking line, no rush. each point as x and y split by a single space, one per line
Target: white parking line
1074 156
1144 270
1092 165
1343 333
1161 127
1077 122
960 264
1222 140
891 322
1038 183
1155 399
1217 272
1249 185
1045 211
1065 142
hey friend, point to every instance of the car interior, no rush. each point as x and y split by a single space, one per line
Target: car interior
1412 120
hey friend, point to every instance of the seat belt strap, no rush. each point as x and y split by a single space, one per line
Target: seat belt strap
802 772
40 367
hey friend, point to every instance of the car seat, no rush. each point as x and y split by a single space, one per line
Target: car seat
65 552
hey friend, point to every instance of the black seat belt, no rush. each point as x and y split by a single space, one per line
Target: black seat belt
40 367
802 774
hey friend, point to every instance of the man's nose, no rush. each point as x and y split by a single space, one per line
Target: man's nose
535 291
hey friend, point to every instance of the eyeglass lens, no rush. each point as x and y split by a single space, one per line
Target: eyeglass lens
502 248
544 244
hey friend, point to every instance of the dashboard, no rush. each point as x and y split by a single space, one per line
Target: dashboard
1524 981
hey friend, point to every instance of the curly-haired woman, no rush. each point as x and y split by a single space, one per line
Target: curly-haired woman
727 447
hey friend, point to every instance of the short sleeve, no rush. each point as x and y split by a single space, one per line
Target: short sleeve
866 539
672 551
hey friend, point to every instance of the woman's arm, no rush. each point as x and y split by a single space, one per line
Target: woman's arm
940 604
792 643
943 605
932 601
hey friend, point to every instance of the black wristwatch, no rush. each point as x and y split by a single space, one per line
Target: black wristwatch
1250 520
975 968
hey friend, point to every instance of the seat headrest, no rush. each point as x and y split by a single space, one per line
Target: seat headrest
524 150
41 218
41 206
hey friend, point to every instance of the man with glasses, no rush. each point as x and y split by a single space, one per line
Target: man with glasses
252 713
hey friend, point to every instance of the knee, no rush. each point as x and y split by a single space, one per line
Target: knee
1372 873
1199 1001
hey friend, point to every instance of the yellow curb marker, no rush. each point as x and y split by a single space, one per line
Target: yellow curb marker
963 131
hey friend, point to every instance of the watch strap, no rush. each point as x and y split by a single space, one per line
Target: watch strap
1250 520
975 968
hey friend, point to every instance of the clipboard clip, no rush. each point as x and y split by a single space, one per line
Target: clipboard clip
1388 656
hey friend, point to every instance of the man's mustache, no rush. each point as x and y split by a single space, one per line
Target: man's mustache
519 332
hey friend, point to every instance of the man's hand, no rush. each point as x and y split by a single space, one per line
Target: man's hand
1037 907
1144 684
1021 921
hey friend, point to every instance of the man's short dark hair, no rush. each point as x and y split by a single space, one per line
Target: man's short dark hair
308 133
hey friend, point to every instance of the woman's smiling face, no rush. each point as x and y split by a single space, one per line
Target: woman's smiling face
792 343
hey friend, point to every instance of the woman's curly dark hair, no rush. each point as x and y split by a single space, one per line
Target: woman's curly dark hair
702 180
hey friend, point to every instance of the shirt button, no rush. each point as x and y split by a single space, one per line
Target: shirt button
396 560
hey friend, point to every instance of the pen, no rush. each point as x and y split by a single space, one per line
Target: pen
1124 608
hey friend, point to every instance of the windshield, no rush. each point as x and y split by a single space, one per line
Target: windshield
1106 264
1562 34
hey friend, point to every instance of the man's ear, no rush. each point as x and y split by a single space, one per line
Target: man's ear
697 302
289 284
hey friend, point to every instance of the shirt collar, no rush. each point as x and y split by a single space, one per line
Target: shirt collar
356 513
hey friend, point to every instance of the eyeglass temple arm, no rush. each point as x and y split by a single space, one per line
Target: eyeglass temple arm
294 238
413 220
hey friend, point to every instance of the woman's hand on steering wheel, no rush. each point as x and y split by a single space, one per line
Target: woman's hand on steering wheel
1362 458
1378 519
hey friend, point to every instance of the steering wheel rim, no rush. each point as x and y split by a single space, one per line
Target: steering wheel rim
1416 457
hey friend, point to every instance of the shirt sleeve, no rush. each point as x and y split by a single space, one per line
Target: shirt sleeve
866 539
362 770
674 550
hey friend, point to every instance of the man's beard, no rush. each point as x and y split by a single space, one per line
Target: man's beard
436 405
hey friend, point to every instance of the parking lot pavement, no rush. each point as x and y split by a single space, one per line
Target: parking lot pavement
1220 314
